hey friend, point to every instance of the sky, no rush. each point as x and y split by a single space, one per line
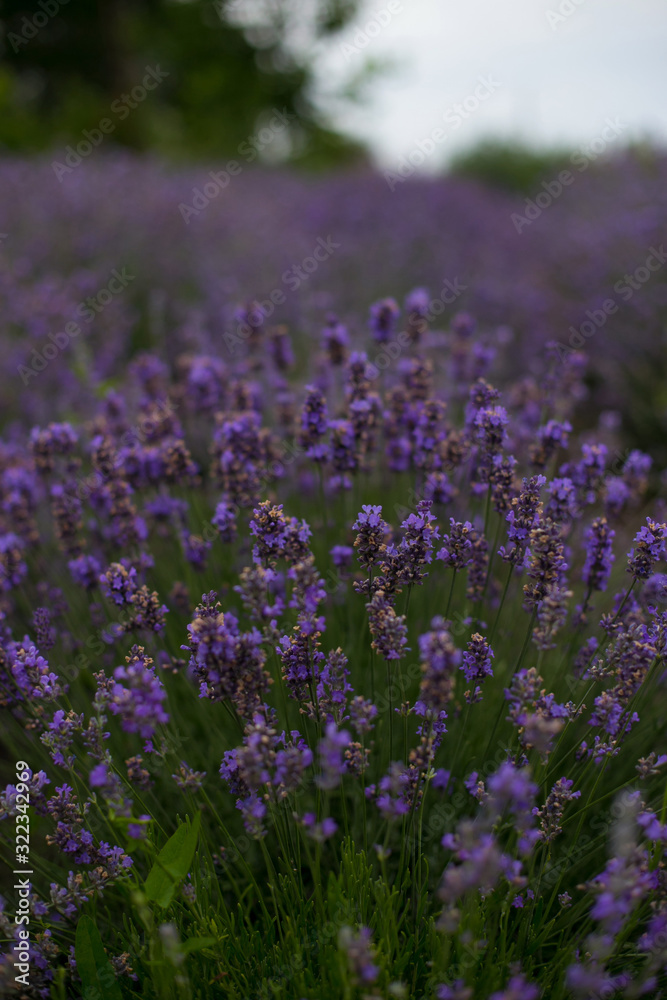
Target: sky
557 73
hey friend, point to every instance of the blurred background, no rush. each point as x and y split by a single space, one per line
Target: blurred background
424 138
366 79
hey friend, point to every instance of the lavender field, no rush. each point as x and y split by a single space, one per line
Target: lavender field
333 596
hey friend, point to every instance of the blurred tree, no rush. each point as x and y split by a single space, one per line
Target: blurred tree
69 63
511 166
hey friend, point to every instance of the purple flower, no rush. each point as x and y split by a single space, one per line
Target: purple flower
291 762
239 454
31 672
204 383
362 714
253 811
417 303
56 439
551 813
59 736
477 658
66 511
537 715
257 587
9 795
562 503
547 566
382 321
457 991
389 631
616 496
649 549
118 583
139 829
475 786
440 660
333 687
314 425
522 517
599 556
518 988
655 590
300 657
357 386
137 695
45 632
512 789
344 457
13 569
428 435
588 474
228 663
99 776
457 550
280 347
195 550
147 612
358 949
500 475
256 758
372 532
331 756
481 396
550 438
224 520
635 474
187 779
341 556
490 423
335 340
416 547
85 571
278 536
319 832
395 793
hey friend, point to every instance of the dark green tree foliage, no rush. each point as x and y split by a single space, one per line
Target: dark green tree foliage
229 64
510 166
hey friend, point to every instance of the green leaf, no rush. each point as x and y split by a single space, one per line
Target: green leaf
197 944
92 964
172 863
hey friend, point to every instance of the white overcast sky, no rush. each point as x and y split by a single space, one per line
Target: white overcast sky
557 84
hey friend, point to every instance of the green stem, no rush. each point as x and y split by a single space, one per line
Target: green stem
391 712
502 601
451 591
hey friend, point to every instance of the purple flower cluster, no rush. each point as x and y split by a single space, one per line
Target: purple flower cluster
422 776
372 534
137 695
228 663
599 556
